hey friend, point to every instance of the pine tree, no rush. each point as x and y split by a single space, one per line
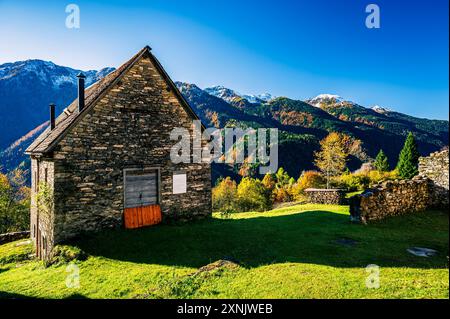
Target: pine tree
408 159
381 162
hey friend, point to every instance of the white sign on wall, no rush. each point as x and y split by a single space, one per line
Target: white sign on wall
179 183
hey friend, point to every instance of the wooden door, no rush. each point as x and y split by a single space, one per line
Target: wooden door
141 198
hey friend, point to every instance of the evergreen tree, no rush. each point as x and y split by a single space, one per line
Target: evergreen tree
381 162
408 160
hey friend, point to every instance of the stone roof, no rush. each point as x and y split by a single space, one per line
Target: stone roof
48 139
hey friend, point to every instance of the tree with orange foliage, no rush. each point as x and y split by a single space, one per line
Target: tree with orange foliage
308 179
269 182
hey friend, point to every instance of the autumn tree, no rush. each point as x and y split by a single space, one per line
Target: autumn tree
269 182
224 196
308 179
282 190
252 195
14 202
332 156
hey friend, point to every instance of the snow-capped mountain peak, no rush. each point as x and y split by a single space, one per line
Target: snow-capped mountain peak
380 109
189 87
259 98
326 96
325 99
230 95
222 92
48 72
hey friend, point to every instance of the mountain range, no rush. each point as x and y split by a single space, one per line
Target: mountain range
27 87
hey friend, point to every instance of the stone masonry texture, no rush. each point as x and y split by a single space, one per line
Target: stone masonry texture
325 196
428 190
436 168
129 127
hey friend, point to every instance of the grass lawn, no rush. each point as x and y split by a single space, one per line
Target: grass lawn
303 251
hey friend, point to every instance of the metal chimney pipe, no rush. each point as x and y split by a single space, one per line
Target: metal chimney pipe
81 78
52 116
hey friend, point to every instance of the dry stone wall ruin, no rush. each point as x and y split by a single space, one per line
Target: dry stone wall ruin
325 196
428 190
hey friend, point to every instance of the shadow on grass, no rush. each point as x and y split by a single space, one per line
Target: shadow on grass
309 237
76 296
8 295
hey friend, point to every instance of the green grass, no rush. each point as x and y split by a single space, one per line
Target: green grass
290 252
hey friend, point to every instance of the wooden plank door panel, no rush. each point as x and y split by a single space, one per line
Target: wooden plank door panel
141 190
136 217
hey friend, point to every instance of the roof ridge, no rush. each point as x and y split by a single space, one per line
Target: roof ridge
49 138
89 98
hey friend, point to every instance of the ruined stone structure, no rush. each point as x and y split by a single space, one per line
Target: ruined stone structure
109 151
436 168
325 196
428 190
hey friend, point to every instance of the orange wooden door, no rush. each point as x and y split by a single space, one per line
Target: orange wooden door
136 217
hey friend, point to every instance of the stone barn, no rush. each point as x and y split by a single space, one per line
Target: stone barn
105 162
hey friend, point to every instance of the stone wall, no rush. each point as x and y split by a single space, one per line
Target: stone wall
428 190
325 196
128 128
8 237
41 222
436 168
392 198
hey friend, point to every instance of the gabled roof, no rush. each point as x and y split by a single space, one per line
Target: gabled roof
45 142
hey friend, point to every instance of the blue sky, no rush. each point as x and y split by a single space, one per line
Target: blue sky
297 48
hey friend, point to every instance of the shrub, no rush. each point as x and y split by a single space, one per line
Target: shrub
360 181
282 194
63 254
311 179
252 195
354 182
224 196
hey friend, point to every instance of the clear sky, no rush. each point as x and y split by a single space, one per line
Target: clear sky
292 48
